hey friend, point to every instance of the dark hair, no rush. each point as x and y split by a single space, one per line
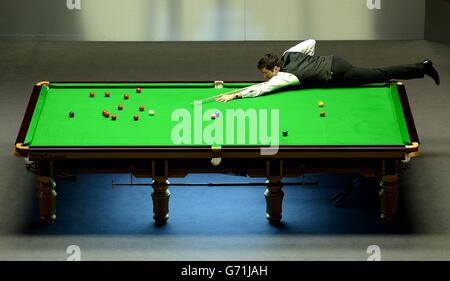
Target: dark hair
268 61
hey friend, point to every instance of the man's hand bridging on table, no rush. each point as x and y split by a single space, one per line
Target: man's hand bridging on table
228 97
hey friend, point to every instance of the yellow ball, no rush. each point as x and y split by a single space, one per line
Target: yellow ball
321 104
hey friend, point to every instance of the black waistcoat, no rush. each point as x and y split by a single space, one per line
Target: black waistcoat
307 68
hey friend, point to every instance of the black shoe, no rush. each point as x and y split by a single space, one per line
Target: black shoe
431 71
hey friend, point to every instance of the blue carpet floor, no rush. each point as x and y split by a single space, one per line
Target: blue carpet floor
90 205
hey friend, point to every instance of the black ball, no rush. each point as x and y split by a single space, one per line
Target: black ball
71 114
285 133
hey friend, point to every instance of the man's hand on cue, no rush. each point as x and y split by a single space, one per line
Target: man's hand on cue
225 98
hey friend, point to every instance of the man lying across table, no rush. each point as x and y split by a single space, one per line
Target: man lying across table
299 65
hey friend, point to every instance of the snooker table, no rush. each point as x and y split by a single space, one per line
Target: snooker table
366 130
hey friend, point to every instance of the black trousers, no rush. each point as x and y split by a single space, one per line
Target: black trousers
345 73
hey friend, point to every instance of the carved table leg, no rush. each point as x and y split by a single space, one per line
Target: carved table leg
274 201
160 197
46 193
274 195
161 193
389 191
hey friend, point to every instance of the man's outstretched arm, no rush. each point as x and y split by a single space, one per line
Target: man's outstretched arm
282 79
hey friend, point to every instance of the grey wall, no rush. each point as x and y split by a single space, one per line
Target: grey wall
209 20
437 21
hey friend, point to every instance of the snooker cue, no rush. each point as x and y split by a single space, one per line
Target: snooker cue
235 91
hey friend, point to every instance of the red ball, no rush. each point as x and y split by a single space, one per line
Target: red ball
120 106
106 114
91 94
138 90
113 117
107 94
136 117
141 108
126 96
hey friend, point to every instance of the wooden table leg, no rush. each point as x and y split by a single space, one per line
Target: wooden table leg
274 201
160 198
274 195
46 193
161 193
389 191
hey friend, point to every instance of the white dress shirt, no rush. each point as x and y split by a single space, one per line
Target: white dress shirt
282 79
